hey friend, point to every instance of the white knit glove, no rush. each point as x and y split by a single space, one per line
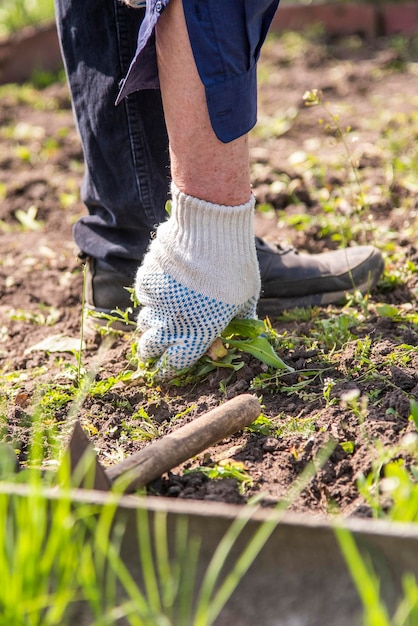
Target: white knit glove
200 272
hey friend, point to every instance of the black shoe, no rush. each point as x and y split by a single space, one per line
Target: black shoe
106 292
290 279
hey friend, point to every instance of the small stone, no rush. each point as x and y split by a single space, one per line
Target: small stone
270 445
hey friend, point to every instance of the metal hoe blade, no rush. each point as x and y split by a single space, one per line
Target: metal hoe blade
84 463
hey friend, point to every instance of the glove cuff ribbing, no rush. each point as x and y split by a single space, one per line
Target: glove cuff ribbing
208 247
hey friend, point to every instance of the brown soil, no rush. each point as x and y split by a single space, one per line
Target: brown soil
40 276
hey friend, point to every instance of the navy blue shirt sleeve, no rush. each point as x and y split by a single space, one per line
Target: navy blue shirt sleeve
226 37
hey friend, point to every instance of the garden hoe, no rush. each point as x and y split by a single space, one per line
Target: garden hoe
141 468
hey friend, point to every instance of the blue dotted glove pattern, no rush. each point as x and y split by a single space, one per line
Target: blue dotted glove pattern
179 324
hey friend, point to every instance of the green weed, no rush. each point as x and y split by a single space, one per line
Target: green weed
185 412
100 387
315 98
329 384
357 404
118 320
254 337
278 381
145 430
304 426
390 488
82 324
334 332
263 425
403 313
55 397
227 468
46 316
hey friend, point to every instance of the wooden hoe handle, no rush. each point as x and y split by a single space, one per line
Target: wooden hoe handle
170 451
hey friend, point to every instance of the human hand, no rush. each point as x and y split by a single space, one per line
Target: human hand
200 272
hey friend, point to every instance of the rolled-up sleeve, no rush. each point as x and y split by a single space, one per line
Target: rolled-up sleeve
226 37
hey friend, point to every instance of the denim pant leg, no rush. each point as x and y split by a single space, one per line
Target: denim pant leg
126 181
